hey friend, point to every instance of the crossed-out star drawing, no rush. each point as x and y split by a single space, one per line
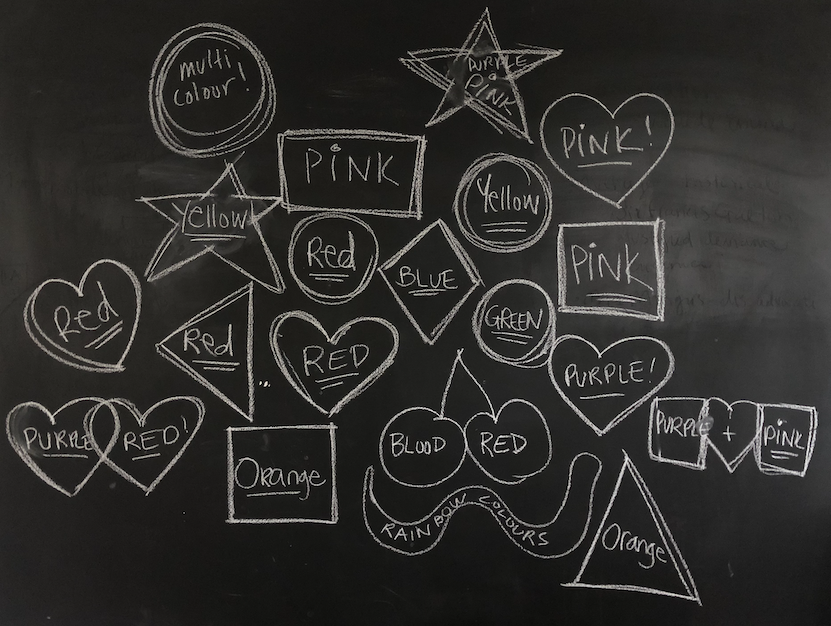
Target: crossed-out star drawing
481 76
223 221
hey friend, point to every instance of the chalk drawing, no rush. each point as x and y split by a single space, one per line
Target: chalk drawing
211 91
590 145
55 446
549 540
325 375
781 436
215 348
634 549
480 75
282 474
785 439
599 271
332 257
89 326
223 221
149 443
604 386
351 171
420 448
430 278
503 203
514 323
730 429
677 432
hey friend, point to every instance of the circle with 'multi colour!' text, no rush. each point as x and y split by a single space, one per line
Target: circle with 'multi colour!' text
211 91
503 203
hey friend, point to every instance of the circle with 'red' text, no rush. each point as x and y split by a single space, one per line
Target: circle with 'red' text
332 257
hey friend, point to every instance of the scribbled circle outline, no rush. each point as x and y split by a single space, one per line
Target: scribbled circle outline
460 202
537 351
325 298
173 135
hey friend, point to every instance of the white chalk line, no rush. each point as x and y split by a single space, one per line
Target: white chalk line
61 353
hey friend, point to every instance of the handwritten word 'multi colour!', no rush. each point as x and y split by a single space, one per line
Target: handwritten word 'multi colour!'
213 61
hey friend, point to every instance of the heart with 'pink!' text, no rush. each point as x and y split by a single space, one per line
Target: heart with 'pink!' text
607 153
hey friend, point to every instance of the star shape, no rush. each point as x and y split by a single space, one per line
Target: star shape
481 76
223 221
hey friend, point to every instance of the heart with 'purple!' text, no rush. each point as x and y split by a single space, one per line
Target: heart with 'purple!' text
603 387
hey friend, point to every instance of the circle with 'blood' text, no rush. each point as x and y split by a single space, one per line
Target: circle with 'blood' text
211 91
503 203
514 323
332 257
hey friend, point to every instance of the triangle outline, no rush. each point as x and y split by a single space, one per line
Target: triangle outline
663 532
167 353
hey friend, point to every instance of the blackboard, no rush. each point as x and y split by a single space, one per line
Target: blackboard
414 313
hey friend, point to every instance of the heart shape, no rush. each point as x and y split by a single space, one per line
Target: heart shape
511 445
600 150
613 382
149 443
92 329
732 429
326 377
61 455
420 448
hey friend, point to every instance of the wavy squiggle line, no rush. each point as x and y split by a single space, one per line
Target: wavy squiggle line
539 540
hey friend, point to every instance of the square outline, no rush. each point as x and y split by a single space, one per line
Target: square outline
415 205
658 227
281 520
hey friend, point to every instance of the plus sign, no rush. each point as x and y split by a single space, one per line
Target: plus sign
729 434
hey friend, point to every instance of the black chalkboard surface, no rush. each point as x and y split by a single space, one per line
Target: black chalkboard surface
420 313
